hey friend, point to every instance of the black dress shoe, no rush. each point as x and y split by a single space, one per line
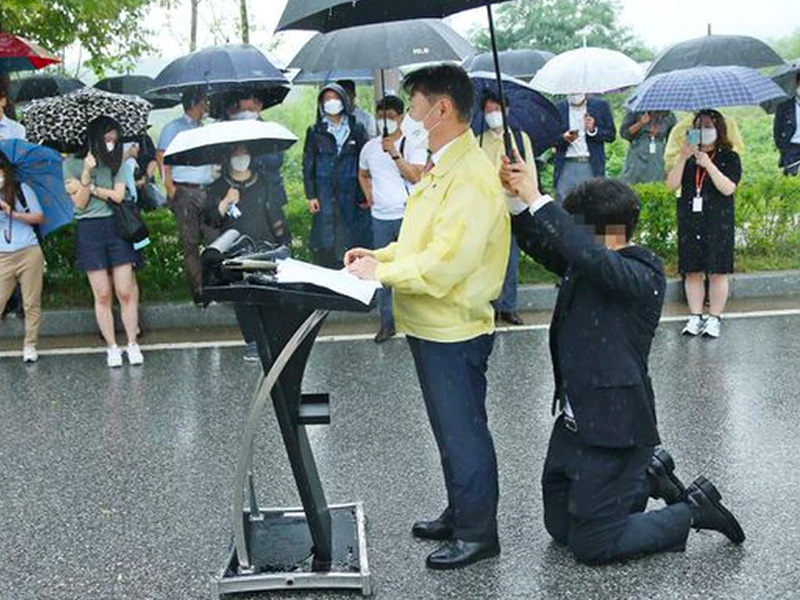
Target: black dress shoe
708 513
384 334
512 318
432 530
456 554
664 483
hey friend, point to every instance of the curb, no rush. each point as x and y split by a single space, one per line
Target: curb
530 298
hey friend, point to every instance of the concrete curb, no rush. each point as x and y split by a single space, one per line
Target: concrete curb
531 298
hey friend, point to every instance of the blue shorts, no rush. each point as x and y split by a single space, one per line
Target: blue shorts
101 247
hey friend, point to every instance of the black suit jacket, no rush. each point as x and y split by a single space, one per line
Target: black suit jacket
607 312
784 128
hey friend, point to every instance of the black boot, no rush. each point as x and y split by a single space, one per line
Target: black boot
705 501
456 554
664 483
438 529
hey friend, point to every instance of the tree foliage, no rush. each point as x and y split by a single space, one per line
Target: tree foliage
561 25
112 32
789 46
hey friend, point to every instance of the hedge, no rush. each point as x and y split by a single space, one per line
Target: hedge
767 220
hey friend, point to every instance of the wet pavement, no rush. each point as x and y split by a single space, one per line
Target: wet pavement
116 484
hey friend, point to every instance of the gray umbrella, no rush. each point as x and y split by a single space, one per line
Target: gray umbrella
522 64
715 51
786 77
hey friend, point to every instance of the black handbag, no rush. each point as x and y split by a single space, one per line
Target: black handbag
129 222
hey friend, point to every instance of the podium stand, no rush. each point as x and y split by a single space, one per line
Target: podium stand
316 546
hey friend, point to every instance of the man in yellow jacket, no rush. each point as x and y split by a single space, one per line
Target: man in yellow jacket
445 269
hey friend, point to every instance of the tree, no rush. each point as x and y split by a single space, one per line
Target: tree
193 33
244 23
561 25
113 32
789 46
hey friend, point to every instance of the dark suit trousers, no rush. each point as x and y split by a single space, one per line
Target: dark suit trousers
594 498
453 381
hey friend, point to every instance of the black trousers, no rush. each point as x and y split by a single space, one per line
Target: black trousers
594 500
453 381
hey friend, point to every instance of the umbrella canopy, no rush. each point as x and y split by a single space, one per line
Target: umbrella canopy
786 78
217 69
383 46
528 110
269 97
522 64
137 85
305 77
41 169
211 144
19 54
704 87
715 51
62 122
43 86
587 70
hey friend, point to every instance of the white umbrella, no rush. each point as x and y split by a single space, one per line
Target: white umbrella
588 70
213 143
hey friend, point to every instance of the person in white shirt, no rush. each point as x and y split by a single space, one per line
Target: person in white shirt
9 128
388 169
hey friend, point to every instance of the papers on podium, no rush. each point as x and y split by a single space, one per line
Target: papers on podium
341 282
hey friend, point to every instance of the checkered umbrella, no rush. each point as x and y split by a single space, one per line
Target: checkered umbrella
62 122
704 87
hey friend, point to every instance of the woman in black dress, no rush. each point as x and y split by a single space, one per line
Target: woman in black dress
707 174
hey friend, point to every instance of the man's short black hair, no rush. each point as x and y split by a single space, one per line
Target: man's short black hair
349 86
192 97
390 103
443 80
491 96
604 202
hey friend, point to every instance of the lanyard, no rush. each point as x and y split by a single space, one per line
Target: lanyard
700 176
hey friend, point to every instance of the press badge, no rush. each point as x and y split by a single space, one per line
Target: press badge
652 147
697 204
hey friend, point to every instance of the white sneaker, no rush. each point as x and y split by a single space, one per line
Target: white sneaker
713 327
114 357
135 356
694 326
29 354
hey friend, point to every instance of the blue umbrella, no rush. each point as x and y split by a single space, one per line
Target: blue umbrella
40 168
529 111
704 87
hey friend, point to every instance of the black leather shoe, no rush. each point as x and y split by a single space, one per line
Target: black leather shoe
512 318
708 513
384 334
432 530
664 483
456 554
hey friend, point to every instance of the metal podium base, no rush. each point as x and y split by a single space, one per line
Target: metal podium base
280 547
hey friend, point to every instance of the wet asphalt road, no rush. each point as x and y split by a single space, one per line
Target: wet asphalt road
115 484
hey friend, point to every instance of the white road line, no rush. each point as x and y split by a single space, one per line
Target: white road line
789 312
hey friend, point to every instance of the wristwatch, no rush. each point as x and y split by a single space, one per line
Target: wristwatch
397 157
92 189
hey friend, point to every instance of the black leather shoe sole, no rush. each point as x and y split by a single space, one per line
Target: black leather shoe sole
732 530
662 471
458 560
432 530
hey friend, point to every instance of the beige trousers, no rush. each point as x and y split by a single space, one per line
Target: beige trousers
25 266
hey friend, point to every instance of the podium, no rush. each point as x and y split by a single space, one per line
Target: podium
316 546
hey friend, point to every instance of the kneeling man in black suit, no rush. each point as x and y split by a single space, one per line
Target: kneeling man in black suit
602 463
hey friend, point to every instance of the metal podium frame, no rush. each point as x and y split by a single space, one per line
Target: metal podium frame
294 322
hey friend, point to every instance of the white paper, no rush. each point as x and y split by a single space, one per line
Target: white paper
341 282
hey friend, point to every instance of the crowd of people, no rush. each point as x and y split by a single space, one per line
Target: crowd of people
359 171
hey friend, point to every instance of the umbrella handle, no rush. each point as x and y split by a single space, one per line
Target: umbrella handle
501 95
7 234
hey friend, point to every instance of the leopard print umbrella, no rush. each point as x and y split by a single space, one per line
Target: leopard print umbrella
62 122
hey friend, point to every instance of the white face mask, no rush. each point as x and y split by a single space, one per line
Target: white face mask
241 162
415 131
576 99
797 91
110 147
245 115
708 136
391 126
2 179
333 107
494 119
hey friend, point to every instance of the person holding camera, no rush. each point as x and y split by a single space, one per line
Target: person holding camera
707 174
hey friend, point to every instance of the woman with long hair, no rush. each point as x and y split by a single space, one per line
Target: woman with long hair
707 175
96 179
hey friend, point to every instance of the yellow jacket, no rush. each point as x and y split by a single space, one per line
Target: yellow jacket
449 261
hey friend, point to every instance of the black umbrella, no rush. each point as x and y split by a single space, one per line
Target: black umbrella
269 96
217 69
137 85
715 51
522 64
383 46
43 86
786 77
329 15
305 77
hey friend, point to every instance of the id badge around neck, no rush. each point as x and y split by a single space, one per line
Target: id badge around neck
652 146
697 204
